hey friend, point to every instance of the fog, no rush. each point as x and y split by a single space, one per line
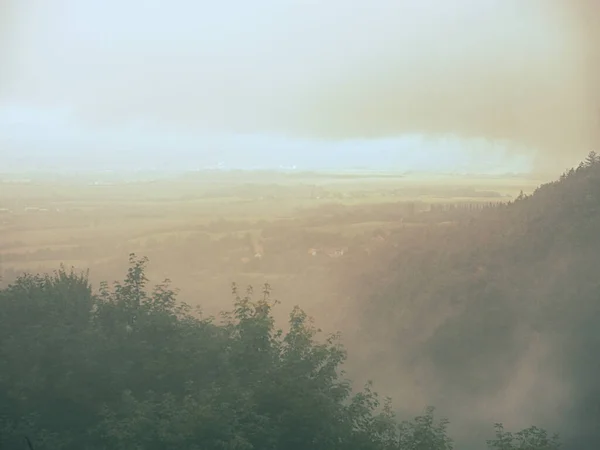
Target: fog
522 72
486 86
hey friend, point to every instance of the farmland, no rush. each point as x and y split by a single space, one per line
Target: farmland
303 233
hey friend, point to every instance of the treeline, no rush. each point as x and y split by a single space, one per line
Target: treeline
129 367
483 294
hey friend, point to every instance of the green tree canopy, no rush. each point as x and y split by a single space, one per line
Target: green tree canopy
130 367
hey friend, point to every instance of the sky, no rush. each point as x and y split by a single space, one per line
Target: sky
466 85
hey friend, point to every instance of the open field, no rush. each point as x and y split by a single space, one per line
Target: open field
299 232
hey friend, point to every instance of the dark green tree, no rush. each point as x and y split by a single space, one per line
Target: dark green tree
532 438
131 367
592 158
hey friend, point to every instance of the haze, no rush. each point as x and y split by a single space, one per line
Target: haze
295 83
406 142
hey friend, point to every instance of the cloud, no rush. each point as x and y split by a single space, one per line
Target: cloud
521 71
56 138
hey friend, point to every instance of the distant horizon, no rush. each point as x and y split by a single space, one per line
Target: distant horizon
48 140
20 174
298 170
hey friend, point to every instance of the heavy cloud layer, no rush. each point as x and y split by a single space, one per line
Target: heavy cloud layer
508 70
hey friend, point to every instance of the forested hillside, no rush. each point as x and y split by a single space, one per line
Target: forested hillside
499 314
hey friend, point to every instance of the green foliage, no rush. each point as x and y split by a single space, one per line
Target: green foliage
423 434
514 277
132 368
591 159
531 438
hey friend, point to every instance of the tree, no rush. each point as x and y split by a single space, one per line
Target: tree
591 159
129 367
423 434
532 438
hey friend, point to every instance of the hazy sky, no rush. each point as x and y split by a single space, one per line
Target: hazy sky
326 82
